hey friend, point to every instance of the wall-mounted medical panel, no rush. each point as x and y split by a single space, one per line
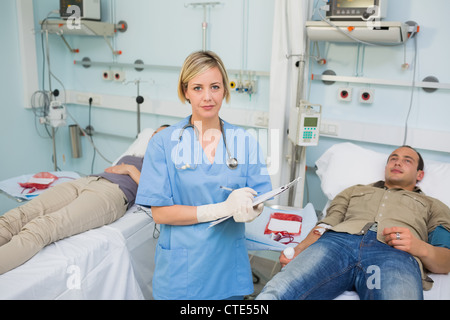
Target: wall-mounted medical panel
80 28
426 139
83 28
344 31
241 117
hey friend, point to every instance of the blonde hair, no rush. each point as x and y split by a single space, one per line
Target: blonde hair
197 63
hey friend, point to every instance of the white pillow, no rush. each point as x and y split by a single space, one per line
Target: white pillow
139 146
436 182
346 164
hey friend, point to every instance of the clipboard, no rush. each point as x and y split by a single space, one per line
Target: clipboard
262 198
269 195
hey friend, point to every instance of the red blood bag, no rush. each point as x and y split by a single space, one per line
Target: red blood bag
284 223
41 180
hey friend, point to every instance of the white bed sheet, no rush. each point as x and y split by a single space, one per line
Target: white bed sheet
112 262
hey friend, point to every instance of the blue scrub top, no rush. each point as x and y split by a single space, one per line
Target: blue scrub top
197 262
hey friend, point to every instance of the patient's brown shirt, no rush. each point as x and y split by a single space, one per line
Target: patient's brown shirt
357 208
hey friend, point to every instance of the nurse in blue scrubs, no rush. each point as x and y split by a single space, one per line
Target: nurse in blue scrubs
197 171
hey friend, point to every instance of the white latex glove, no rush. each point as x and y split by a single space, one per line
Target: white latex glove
250 214
238 204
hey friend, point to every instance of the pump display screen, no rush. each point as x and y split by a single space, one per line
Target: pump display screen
310 122
354 3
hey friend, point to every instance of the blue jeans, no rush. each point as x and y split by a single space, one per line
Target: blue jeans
340 262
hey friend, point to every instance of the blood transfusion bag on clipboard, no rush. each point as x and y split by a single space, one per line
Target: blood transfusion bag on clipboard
41 180
282 222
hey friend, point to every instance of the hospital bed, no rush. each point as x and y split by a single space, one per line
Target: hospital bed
112 262
346 164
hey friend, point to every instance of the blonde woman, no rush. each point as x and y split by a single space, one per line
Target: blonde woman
202 169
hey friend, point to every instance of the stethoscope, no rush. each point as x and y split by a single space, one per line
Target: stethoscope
232 163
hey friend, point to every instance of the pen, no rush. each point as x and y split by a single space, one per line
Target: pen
225 188
228 189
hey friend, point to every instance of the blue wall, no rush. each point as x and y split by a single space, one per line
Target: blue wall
164 33
22 150
429 111
384 62
160 33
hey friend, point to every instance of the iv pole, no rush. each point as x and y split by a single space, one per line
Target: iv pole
204 23
298 155
51 93
139 100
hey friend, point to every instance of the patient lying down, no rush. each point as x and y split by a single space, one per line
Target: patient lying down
68 209
376 239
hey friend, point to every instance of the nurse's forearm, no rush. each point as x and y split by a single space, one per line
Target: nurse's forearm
175 215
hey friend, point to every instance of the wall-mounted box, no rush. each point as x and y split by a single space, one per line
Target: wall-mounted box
372 32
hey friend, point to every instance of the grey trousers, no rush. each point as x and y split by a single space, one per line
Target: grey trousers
62 211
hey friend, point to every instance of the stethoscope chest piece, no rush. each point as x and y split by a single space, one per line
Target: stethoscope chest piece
232 163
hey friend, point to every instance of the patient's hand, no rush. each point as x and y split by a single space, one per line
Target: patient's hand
312 237
407 242
128 169
284 261
435 259
120 169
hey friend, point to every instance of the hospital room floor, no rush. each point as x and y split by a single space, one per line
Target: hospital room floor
263 270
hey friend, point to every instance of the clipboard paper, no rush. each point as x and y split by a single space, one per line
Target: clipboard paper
262 198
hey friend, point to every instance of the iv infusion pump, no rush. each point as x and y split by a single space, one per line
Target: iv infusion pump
304 124
56 116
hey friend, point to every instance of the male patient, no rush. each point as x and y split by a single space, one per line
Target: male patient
377 239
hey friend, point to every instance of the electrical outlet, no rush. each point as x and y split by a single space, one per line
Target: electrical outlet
329 128
119 76
84 99
366 96
345 94
108 75
260 119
